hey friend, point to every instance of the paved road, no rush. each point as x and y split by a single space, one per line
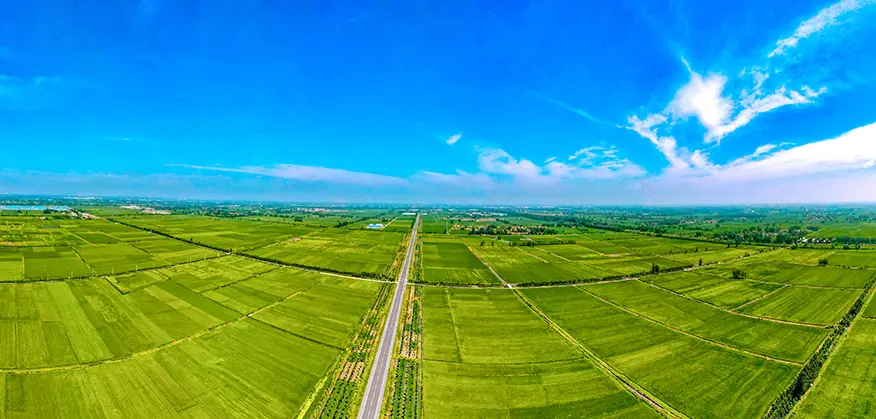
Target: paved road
373 399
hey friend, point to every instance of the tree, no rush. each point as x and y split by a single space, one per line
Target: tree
655 268
739 274
483 243
701 261
822 262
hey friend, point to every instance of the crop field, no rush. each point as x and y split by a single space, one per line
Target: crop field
522 265
846 386
695 376
822 306
246 369
447 262
778 340
198 276
340 250
756 269
488 355
223 233
401 224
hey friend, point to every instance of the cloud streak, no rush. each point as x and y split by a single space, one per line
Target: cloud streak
306 173
453 139
826 17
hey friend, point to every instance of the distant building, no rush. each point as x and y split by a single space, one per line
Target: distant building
409 213
376 226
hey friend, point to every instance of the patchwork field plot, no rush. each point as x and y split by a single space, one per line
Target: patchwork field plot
699 378
452 263
486 326
174 251
221 233
557 389
53 262
778 340
846 386
198 276
732 294
792 274
724 292
107 259
808 305
369 253
488 355
401 224
517 265
328 312
247 369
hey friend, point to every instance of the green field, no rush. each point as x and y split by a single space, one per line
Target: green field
807 305
452 263
221 233
846 386
694 376
777 340
340 250
488 355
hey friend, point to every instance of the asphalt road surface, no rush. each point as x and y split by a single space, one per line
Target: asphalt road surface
373 399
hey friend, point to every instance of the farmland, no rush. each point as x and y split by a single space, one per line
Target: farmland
280 316
339 250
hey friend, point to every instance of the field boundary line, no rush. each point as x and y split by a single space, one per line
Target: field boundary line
209 330
530 254
761 297
552 253
677 330
662 407
496 274
703 302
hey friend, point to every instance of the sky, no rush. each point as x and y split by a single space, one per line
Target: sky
605 102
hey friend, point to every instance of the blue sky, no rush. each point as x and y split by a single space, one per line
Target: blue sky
543 102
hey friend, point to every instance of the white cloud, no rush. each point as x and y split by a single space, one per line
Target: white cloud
453 139
587 152
826 17
666 145
550 159
497 161
307 173
595 166
703 98
853 150
753 104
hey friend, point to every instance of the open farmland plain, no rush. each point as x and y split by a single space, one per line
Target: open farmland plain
152 316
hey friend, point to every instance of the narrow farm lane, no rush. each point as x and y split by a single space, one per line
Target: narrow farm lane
373 399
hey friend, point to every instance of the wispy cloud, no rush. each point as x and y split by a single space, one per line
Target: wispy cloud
826 17
453 139
306 173
574 110
550 159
